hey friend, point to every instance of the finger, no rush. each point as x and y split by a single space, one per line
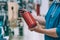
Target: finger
37 23
31 29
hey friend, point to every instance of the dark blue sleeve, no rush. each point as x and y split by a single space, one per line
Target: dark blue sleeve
58 28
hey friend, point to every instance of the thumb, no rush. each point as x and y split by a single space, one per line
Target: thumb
38 24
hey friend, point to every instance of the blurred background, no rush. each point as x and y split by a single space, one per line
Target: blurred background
21 31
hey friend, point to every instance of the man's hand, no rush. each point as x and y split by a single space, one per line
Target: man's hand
40 19
50 32
37 28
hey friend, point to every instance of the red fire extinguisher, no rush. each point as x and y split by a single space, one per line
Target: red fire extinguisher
38 4
29 19
38 9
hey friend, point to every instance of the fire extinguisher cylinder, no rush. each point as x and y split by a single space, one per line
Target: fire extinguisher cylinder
31 22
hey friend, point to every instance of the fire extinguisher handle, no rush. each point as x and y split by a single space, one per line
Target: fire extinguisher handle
22 11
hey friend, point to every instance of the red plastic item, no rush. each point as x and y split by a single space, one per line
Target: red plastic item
29 19
38 10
